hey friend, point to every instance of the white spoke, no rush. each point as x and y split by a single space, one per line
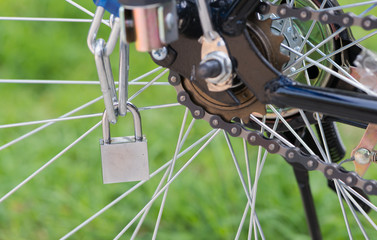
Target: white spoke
278 136
68 114
336 65
177 148
371 205
323 42
340 189
149 84
71 82
141 221
329 70
11 125
361 210
50 120
146 75
237 166
350 5
118 199
49 124
115 201
291 129
167 184
160 106
161 182
311 28
240 226
81 8
353 43
258 172
49 162
37 19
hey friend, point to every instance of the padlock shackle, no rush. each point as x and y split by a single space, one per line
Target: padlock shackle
137 124
137 121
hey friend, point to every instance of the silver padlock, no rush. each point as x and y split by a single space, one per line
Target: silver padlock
124 159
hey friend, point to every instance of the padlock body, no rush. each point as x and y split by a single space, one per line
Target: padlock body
124 160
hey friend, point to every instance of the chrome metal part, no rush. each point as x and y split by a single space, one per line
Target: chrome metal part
292 38
124 159
167 22
92 35
107 90
160 54
222 81
205 20
102 51
364 156
216 50
124 66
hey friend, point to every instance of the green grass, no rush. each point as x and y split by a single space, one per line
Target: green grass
205 202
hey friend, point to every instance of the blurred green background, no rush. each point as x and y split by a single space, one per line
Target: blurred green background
205 202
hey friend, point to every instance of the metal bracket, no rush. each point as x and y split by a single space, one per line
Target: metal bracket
102 51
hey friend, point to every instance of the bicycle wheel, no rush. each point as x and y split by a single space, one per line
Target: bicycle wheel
65 196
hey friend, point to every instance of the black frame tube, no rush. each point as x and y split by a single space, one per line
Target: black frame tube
333 102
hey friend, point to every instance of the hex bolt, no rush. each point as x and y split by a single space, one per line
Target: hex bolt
330 171
291 155
160 54
215 122
182 98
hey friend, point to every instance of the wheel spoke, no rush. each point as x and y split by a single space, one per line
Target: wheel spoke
118 199
258 172
334 73
330 55
242 222
167 184
148 85
177 149
237 166
350 5
323 42
38 19
50 162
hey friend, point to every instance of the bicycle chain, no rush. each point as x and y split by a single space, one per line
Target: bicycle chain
292 155
323 16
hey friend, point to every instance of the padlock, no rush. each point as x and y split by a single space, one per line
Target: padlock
124 159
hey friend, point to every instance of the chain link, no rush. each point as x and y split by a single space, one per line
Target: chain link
323 16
